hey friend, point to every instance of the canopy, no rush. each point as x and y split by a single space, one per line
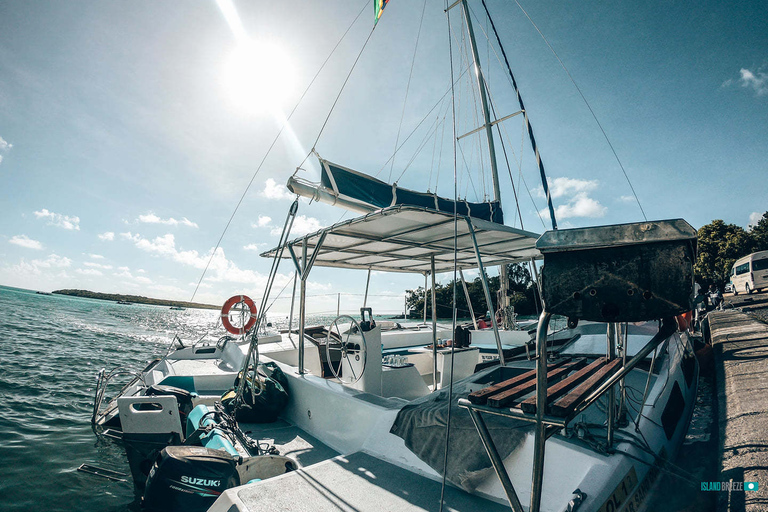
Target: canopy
404 238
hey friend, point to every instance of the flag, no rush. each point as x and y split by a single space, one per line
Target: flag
378 8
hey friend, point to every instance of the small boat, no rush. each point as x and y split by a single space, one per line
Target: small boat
124 302
178 308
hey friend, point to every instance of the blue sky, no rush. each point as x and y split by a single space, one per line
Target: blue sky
127 137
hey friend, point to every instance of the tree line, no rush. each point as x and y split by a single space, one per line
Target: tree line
719 246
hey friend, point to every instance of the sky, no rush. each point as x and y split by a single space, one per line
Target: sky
130 130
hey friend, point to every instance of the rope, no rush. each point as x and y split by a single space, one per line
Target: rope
594 116
408 86
269 150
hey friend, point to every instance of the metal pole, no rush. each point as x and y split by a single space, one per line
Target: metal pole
434 325
487 291
293 301
338 304
668 327
425 297
302 304
469 302
624 334
611 409
645 392
537 282
367 282
496 460
541 406
484 101
480 80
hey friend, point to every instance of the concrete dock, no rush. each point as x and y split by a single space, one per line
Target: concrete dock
740 344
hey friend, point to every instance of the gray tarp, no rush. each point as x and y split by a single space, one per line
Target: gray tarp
421 424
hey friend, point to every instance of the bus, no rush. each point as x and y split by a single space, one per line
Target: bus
750 273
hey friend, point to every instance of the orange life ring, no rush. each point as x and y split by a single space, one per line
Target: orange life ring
225 309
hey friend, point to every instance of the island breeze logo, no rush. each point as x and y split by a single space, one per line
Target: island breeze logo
730 486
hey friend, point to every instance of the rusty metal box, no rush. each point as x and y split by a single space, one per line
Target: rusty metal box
620 273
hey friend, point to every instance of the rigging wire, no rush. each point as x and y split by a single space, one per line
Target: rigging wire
271 146
419 125
343 86
540 164
408 86
455 257
594 116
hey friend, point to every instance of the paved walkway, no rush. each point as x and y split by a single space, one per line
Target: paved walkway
741 363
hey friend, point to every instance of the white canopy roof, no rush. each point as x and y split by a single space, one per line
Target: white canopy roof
404 238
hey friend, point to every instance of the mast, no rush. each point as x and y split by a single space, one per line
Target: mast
503 300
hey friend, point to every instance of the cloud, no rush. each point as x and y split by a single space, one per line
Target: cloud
274 191
151 218
757 81
262 222
123 272
220 268
4 147
25 241
253 247
59 220
36 267
575 194
301 226
107 236
142 280
96 256
97 265
89 272
627 199
754 218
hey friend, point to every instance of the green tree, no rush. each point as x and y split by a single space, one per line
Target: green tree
719 245
522 293
759 233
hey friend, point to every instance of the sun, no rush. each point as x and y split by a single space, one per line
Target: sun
258 76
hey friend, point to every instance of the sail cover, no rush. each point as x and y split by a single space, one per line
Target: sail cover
360 192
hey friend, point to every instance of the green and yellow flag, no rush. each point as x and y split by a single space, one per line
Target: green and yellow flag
378 8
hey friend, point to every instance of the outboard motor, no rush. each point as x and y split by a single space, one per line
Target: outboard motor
188 479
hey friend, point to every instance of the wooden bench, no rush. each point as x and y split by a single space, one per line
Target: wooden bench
569 382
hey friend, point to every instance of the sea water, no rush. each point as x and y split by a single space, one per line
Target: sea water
51 349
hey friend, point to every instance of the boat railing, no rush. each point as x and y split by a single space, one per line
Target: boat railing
103 379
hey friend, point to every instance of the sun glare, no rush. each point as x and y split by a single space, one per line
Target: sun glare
258 76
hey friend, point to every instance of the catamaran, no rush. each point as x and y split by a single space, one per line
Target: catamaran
351 416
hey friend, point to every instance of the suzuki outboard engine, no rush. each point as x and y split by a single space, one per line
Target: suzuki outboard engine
188 479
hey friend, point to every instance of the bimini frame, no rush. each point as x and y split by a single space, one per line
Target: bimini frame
413 240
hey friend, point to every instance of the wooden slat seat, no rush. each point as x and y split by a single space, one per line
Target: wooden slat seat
506 398
567 404
480 397
565 385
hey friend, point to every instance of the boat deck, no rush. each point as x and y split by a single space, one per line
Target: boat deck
291 441
357 482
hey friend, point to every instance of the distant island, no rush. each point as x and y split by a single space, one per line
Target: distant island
116 297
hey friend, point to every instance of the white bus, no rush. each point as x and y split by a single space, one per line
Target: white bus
750 273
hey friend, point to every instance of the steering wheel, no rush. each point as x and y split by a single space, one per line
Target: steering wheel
345 342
